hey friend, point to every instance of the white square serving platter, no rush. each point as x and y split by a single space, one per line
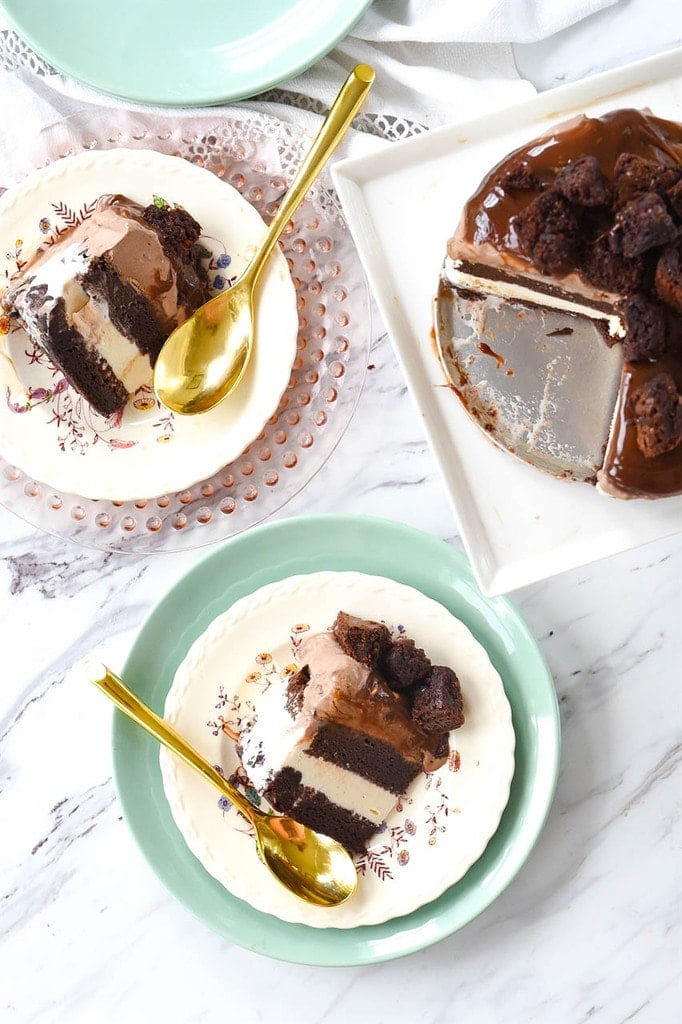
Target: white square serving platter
518 525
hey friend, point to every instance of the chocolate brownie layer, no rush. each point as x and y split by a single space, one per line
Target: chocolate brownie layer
89 372
366 755
312 808
130 312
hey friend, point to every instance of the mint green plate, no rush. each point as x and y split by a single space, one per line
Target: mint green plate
382 548
182 52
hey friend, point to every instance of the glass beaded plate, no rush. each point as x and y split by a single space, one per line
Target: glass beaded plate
258 156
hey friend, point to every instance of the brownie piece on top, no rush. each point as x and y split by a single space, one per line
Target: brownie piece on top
657 414
437 702
361 639
405 663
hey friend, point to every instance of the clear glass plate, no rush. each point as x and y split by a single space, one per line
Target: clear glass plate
257 155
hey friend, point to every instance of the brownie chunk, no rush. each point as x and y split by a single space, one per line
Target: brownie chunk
437 702
634 175
547 231
668 280
178 230
657 411
582 182
645 327
645 223
405 663
611 270
362 639
520 178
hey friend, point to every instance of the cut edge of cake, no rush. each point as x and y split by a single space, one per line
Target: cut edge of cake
338 742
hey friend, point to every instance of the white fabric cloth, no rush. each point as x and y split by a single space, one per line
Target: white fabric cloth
436 61
491 21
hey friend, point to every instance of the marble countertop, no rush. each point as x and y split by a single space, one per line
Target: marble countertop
589 930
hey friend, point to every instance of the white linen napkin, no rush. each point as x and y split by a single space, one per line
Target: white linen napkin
492 21
436 60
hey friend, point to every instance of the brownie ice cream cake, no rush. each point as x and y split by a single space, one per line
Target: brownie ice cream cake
102 300
364 715
587 221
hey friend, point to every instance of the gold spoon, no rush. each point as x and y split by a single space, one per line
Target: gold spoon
206 356
310 865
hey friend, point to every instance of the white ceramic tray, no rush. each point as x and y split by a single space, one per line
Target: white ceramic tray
518 525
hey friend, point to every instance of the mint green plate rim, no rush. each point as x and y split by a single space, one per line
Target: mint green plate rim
147 51
304 545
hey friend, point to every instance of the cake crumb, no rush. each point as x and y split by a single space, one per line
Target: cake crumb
296 685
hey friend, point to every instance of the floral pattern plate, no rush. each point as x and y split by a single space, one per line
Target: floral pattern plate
46 427
436 831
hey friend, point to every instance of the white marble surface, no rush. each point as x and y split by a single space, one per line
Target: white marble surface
590 929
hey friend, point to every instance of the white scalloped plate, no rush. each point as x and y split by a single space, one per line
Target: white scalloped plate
52 433
436 832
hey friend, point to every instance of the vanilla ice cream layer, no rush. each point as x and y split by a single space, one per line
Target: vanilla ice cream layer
514 291
132 367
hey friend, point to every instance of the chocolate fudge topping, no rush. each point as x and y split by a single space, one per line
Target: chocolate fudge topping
491 211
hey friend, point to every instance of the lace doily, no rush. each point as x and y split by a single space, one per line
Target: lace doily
15 54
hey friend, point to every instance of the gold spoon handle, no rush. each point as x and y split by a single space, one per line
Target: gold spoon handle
131 705
340 115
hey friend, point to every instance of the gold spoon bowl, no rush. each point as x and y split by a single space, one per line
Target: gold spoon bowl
312 866
206 357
